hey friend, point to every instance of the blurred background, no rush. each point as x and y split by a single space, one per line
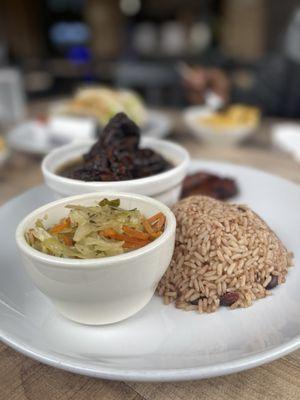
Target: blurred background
183 61
58 44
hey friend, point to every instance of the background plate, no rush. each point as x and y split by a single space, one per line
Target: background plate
32 137
159 343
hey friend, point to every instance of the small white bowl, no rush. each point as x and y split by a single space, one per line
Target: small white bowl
220 137
105 290
165 187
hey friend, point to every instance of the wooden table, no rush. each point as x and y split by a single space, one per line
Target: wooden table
22 378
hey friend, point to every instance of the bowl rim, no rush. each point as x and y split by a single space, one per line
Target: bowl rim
48 173
71 263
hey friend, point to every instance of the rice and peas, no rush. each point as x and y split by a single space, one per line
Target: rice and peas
225 254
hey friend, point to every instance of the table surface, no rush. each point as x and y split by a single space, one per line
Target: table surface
23 378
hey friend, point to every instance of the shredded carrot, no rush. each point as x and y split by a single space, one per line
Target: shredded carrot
61 226
134 242
149 229
129 245
159 224
112 234
67 240
135 238
108 232
157 221
155 217
119 236
135 233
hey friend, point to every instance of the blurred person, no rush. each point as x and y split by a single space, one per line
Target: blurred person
275 87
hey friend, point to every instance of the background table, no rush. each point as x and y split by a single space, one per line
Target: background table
22 378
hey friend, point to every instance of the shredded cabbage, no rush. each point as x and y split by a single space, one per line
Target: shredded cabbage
93 232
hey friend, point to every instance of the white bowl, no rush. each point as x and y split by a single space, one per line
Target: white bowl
210 135
99 291
165 187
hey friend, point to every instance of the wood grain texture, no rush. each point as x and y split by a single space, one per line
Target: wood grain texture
277 381
24 379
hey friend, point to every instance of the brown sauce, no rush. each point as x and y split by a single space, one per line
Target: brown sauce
68 168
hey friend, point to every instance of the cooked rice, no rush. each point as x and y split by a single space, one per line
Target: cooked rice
223 253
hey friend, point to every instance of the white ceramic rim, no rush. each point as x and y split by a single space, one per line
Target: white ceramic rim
110 185
157 375
71 263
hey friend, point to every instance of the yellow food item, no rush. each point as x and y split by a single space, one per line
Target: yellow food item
234 116
103 103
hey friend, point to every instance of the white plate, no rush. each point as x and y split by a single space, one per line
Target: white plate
160 342
33 136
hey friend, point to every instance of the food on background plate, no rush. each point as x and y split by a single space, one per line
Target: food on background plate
208 184
99 231
117 156
234 116
225 255
103 103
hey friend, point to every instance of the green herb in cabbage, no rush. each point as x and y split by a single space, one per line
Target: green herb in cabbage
112 203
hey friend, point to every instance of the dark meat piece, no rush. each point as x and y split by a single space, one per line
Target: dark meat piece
148 162
104 167
209 185
120 133
116 155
